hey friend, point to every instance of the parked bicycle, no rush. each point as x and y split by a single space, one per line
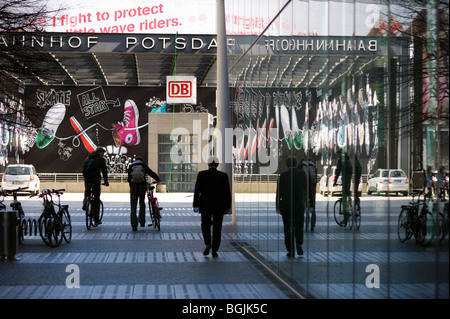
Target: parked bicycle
416 219
353 215
54 226
153 206
63 213
88 206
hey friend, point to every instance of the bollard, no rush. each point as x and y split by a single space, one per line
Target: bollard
9 241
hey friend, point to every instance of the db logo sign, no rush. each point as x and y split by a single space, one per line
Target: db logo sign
181 89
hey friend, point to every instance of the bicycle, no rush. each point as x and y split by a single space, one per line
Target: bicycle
416 221
353 217
153 206
442 226
50 225
63 213
88 206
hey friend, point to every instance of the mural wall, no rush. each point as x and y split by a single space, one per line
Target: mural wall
78 119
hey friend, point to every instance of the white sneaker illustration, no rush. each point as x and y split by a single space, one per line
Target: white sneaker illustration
52 119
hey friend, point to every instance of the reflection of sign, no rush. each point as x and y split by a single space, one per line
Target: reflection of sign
94 102
181 89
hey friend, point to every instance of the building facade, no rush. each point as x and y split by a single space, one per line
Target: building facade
306 79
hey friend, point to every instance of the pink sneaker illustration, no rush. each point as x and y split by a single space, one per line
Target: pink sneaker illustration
127 131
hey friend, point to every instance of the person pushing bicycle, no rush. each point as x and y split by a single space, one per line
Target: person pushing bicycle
137 172
344 166
93 169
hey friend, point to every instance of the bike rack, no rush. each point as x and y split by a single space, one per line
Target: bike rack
28 227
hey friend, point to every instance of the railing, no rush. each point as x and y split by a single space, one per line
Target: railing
268 178
121 178
74 177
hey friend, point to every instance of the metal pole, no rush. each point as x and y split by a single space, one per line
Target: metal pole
223 101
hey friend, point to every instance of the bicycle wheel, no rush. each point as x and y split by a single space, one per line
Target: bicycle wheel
338 213
21 228
404 229
350 220
150 210
357 216
156 215
89 215
67 225
100 212
50 229
425 229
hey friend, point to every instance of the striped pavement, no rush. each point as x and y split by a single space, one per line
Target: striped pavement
333 266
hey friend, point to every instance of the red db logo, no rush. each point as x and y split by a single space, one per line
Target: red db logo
180 89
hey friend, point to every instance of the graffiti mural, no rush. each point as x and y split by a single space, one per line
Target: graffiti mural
76 120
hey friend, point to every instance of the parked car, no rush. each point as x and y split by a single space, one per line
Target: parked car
326 183
21 175
388 181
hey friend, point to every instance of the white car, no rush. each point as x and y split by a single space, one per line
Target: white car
323 183
388 181
21 175
326 183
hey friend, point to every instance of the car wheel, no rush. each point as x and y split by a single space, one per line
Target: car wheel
405 193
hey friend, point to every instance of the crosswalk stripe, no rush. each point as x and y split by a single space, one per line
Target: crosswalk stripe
187 256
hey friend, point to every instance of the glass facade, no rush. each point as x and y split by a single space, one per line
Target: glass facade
181 175
311 79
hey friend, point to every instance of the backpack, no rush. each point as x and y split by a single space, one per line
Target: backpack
89 170
137 174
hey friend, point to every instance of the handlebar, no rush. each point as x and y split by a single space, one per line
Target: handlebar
47 191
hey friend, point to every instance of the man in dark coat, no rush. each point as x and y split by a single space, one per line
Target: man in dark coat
290 203
94 183
212 198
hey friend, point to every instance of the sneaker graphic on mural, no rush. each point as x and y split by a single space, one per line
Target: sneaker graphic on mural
52 119
127 132
84 134
284 115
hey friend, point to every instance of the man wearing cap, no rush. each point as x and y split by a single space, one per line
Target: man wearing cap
212 198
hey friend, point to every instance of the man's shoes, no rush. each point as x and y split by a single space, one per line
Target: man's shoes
207 249
134 228
300 251
215 254
312 228
289 254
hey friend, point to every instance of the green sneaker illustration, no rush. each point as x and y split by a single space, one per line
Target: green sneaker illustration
296 133
284 115
52 119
